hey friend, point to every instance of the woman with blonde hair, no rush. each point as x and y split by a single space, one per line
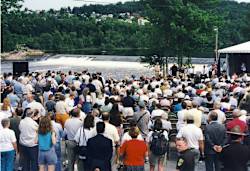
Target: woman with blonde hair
6 109
46 140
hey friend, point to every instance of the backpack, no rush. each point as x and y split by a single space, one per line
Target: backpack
159 144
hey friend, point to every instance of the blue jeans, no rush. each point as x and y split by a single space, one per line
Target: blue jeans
30 158
59 156
134 168
7 160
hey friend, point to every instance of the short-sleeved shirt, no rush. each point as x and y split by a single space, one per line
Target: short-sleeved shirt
28 132
111 132
192 133
7 137
186 161
83 135
71 127
237 122
134 151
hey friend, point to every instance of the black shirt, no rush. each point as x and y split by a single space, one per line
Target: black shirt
235 157
185 161
91 87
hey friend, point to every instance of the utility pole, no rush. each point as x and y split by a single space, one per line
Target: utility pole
216 43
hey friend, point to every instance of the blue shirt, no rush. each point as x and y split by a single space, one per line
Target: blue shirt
44 141
18 88
177 107
14 99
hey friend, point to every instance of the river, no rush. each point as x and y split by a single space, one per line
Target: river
116 66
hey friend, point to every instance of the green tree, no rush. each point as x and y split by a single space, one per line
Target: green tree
180 26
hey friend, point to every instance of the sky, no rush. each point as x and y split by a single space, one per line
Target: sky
57 4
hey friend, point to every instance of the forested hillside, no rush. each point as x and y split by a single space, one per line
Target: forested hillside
123 28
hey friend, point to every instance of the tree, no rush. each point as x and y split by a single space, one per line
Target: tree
181 25
8 6
246 28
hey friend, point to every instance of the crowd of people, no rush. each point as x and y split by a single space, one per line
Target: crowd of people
104 122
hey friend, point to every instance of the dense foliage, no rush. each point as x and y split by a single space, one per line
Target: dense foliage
76 30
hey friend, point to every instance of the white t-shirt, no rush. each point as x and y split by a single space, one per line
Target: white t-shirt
181 117
36 105
28 132
7 137
233 101
88 133
157 112
192 133
166 125
111 133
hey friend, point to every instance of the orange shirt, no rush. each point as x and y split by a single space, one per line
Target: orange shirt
134 151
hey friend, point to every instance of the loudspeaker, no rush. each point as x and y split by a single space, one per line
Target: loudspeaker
20 67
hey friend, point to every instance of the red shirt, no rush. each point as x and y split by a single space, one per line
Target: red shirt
134 152
240 123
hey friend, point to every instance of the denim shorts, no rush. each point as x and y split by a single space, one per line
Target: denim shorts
153 159
134 168
47 157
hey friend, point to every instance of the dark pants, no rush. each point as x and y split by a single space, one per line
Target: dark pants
29 158
212 162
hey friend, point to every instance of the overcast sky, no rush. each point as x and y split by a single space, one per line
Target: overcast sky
57 4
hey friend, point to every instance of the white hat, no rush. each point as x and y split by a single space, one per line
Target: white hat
180 95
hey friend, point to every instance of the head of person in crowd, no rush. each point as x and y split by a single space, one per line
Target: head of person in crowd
189 118
52 116
19 111
89 122
30 97
45 125
213 116
28 112
217 105
236 135
5 123
142 104
100 127
195 104
236 113
105 116
75 112
6 104
115 109
157 125
51 97
181 144
95 112
61 97
134 132
184 105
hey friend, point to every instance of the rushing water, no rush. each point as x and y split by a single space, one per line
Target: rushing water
116 66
